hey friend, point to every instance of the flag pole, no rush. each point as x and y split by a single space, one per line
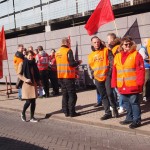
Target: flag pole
116 28
9 76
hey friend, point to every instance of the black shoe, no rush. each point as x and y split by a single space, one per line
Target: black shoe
23 117
134 125
125 122
46 95
98 104
66 115
20 98
106 116
75 114
115 113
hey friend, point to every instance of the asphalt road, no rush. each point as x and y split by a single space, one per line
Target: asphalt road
63 135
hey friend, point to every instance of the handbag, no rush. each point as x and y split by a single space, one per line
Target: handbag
19 83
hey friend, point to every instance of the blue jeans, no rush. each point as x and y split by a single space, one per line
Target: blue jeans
121 104
119 97
99 100
131 102
20 93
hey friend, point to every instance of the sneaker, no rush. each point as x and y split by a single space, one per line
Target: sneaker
33 120
121 110
111 108
144 99
106 116
23 117
134 125
20 98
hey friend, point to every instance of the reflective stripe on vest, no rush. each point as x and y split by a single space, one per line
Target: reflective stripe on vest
63 68
100 68
98 61
126 73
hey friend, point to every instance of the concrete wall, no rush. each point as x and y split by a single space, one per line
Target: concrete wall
78 34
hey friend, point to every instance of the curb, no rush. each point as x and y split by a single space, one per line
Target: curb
95 124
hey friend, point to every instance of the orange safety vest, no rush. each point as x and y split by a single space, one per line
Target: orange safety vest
98 61
63 68
126 73
114 49
43 62
17 61
148 49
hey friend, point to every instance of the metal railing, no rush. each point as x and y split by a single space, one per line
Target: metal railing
19 13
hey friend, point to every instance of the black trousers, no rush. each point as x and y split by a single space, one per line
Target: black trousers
69 96
110 93
54 81
45 81
32 108
100 85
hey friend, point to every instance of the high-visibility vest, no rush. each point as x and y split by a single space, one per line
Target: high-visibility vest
63 68
148 49
98 61
114 49
126 73
43 62
17 61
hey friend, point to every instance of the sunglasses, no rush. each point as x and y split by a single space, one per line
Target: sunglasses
129 44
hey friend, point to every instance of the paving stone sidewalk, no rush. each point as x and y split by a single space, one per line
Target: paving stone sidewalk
51 107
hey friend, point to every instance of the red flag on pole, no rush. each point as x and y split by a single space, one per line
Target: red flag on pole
3 50
101 15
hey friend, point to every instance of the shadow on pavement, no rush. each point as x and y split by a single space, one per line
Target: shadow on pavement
145 107
9 144
145 121
53 113
79 107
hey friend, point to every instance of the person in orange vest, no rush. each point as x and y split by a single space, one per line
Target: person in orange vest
66 74
113 43
42 60
18 58
100 61
128 77
114 46
53 73
145 52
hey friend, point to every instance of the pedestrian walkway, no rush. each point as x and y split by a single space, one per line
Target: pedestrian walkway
51 107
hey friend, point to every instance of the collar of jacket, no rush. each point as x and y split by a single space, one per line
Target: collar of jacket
65 46
19 55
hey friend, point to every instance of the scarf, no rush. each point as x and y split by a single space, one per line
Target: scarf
27 66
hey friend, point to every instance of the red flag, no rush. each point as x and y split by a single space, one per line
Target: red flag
101 15
3 50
